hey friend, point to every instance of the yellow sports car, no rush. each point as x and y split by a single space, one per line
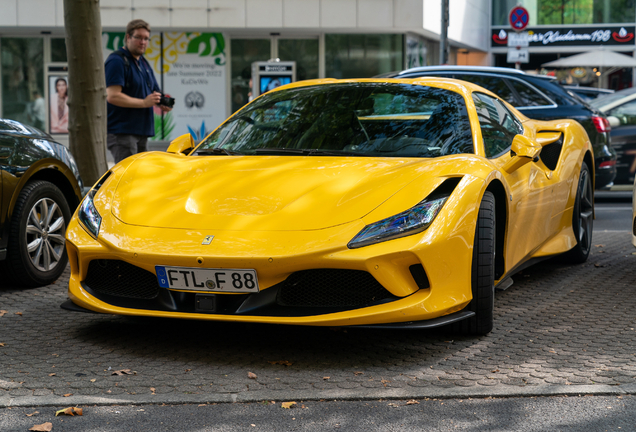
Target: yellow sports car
368 202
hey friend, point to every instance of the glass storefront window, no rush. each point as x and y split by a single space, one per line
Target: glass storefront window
363 55
244 53
558 12
304 52
58 50
23 80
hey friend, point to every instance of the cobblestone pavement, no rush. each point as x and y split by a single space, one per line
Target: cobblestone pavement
558 330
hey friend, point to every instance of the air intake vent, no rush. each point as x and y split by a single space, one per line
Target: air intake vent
550 154
120 279
331 288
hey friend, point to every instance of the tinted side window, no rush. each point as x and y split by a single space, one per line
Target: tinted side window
529 96
496 85
498 125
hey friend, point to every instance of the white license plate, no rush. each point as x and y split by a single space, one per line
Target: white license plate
208 279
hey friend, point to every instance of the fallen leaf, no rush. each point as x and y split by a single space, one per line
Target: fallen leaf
2 344
19 313
123 372
202 405
2 312
599 245
358 373
51 374
393 405
252 375
153 390
288 405
412 402
71 411
281 362
93 380
33 413
44 427
68 394
188 370
326 378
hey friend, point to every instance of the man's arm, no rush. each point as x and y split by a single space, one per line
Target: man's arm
115 96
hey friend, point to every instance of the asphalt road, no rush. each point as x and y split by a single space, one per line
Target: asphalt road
559 331
537 414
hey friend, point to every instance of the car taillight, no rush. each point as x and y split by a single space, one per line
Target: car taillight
607 164
602 124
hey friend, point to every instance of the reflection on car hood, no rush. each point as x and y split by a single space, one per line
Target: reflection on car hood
261 192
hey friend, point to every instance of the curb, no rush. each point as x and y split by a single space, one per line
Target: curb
340 395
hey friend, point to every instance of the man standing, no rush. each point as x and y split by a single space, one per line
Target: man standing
131 93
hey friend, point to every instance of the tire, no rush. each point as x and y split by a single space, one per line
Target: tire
582 219
483 272
36 253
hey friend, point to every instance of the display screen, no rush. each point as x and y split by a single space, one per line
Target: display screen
272 81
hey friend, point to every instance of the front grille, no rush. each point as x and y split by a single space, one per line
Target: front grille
331 288
550 154
118 278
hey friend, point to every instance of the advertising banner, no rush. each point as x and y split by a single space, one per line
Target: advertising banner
191 68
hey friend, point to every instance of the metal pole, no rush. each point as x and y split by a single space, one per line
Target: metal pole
443 37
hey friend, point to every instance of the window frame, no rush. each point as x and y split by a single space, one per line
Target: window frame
515 120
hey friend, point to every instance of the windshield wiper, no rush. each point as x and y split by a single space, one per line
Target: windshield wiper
218 151
304 152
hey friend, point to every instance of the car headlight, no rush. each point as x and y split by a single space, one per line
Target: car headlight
409 222
88 214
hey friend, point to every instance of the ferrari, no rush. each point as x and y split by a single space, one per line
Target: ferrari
390 203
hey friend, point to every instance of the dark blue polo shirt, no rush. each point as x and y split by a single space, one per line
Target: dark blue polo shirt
140 83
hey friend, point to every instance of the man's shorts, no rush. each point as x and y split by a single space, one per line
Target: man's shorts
122 146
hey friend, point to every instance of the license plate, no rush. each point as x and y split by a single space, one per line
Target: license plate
208 279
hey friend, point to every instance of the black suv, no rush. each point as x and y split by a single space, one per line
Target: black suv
538 97
40 187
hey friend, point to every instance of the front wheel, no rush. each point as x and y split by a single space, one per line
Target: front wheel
36 251
483 272
582 219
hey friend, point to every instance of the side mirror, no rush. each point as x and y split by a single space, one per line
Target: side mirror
614 121
181 144
522 151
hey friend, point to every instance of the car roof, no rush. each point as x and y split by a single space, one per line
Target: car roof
487 69
440 82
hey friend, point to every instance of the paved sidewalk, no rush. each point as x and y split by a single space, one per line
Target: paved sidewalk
558 330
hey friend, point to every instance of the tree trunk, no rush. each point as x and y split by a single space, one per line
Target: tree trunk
87 88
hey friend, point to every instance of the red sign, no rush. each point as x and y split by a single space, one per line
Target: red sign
519 18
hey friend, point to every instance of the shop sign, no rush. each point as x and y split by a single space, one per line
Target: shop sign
563 36
518 55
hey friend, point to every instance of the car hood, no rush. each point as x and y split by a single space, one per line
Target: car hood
261 192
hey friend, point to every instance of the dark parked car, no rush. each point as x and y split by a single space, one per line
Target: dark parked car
538 97
40 187
588 94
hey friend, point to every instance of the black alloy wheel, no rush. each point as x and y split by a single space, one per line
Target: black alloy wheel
582 218
483 272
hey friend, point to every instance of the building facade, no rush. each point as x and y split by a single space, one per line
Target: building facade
562 28
202 50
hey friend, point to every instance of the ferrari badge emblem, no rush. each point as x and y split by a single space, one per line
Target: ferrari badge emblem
207 240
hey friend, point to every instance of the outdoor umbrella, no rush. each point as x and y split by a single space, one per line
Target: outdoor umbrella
600 58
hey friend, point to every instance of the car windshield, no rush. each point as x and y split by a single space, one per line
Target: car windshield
355 119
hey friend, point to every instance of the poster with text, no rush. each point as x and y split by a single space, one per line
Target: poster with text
190 67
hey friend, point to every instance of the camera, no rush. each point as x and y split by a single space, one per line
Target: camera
166 101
